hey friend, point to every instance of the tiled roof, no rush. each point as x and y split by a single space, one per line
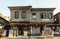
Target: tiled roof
20 7
30 8
43 9
3 19
57 14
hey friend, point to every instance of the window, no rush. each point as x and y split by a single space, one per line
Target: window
43 15
33 15
57 31
47 31
23 14
20 31
50 15
16 14
25 33
0 24
4 32
35 30
55 19
11 31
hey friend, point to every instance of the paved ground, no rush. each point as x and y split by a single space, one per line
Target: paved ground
32 38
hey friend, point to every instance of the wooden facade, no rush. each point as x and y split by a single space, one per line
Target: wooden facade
4 24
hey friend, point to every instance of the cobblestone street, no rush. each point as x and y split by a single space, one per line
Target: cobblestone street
31 38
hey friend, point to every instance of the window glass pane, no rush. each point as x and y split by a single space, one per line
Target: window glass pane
35 30
47 31
50 15
4 32
43 15
20 31
0 24
23 14
38 30
34 15
16 14
11 32
57 31
25 33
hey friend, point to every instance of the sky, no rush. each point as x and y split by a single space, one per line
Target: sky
35 3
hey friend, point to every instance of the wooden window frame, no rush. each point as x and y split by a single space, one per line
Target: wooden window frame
16 14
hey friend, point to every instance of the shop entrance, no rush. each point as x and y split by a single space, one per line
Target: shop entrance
20 31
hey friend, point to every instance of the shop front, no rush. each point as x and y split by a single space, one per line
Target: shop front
32 29
27 29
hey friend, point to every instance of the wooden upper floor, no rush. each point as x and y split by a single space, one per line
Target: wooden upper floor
29 14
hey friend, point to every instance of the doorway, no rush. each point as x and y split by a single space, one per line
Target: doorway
20 31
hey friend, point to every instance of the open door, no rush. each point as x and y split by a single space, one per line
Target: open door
25 33
11 33
20 31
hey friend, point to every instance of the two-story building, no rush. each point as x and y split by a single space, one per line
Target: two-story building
28 21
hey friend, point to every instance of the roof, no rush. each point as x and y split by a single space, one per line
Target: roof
57 14
30 8
43 9
3 19
19 7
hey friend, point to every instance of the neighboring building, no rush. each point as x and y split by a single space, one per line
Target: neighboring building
3 26
5 17
28 21
57 23
57 18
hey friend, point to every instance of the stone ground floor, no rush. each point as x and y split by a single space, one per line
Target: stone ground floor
30 29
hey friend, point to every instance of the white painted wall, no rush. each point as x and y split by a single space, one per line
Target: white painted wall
29 16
